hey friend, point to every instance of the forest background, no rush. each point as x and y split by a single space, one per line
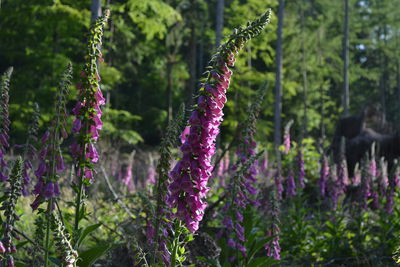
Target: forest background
155 52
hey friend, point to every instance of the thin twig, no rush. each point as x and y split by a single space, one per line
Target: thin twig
29 240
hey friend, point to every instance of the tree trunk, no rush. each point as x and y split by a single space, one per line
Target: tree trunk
305 78
346 93
219 22
95 9
169 89
192 56
278 78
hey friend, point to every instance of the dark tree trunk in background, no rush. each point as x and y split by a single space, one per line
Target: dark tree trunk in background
398 85
219 22
170 65
305 78
95 9
346 93
385 76
278 79
192 55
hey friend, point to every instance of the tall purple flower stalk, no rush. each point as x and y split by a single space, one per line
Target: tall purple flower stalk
366 180
300 165
87 123
383 180
87 111
286 137
278 179
128 178
242 190
290 184
324 175
4 121
239 191
159 232
263 163
190 175
394 182
273 248
29 149
51 161
335 186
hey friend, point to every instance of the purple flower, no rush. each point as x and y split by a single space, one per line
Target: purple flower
273 249
60 163
92 154
77 125
300 163
4 140
41 169
231 243
278 185
291 185
197 149
2 248
324 174
185 133
127 180
45 137
151 174
286 143
49 190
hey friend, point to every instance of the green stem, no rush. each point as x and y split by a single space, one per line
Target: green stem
47 244
176 243
78 203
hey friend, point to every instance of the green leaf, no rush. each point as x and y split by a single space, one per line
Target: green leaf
88 257
87 231
261 262
21 244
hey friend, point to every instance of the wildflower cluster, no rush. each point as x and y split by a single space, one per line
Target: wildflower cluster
51 161
4 121
190 175
11 196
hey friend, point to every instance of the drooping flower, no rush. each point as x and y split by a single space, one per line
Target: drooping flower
190 175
